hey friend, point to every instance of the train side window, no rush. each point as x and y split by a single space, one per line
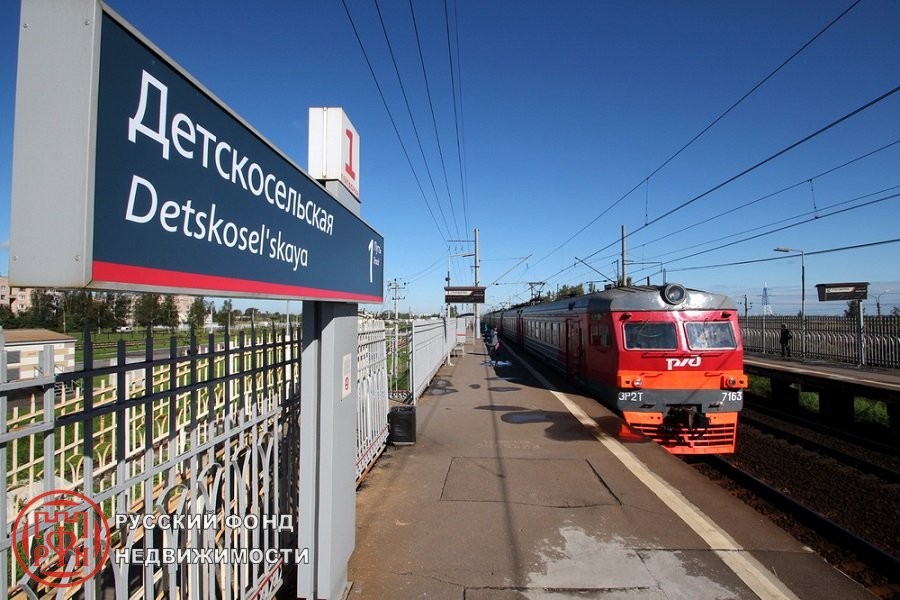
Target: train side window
600 335
710 335
650 336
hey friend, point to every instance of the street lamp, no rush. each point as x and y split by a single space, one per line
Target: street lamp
449 256
802 297
878 301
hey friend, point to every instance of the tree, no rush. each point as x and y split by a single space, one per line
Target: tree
8 320
70 311
895 312
147 310
42 312
121 308
197 313
852 310
224 315
568 291
80 309
106 305
169 312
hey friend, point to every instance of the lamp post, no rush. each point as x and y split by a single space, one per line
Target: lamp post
449 256
878 301
802 297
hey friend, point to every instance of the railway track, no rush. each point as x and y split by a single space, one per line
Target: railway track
835 497
853 544
867 456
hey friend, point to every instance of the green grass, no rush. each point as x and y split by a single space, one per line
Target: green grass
135 341
866 410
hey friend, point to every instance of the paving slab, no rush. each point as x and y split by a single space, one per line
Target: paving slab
507 495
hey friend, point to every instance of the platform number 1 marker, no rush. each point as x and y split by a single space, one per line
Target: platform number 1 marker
348 166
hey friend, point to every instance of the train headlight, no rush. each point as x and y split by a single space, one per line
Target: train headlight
674 293
638 382
734 382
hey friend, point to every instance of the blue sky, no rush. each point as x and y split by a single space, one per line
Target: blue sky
560 110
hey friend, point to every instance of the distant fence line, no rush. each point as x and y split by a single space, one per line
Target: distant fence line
431 343
831 338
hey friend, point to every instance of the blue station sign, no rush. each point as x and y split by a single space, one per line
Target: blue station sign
188 198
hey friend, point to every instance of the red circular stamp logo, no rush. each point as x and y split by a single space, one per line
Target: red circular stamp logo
61 538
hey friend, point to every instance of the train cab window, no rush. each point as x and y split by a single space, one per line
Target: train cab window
650 336
710 335
600 335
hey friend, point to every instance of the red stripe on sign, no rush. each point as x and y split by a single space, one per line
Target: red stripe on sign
118 273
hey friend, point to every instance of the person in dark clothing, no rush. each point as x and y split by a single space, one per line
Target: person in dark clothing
493 344
785 340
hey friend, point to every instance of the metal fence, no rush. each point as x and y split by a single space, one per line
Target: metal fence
372 386
831 338
431 344
190 432
209 432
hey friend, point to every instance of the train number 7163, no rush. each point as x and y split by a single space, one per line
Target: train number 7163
733 396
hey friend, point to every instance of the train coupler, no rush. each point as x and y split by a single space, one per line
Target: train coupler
684 417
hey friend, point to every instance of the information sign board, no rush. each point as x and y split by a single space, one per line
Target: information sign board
842 291
464 295
179 194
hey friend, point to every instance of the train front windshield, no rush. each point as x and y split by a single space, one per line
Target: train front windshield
650 336
710 335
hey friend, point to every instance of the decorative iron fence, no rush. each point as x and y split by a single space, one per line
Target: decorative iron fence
829 338
191 457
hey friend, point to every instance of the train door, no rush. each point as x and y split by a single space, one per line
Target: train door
574 349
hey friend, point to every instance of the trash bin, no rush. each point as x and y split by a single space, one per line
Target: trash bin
402 425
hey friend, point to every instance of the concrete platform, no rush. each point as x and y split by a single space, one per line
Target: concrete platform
512 491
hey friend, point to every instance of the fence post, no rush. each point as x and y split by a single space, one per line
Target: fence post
2 356
861 336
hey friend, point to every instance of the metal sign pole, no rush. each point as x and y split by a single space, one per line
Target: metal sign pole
327 447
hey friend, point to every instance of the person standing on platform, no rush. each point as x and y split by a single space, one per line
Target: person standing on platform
785 340
493 344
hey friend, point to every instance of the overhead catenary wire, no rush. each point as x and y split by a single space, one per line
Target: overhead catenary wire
413 121
816 215
426 271
759 164
700 134
769 259
444 236
437 135
458 114
749 203
812 215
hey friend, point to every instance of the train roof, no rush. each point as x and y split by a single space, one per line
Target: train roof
639 298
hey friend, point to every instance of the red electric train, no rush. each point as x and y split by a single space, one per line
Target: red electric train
669 358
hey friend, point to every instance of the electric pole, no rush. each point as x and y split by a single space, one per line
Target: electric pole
395 287
475 306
